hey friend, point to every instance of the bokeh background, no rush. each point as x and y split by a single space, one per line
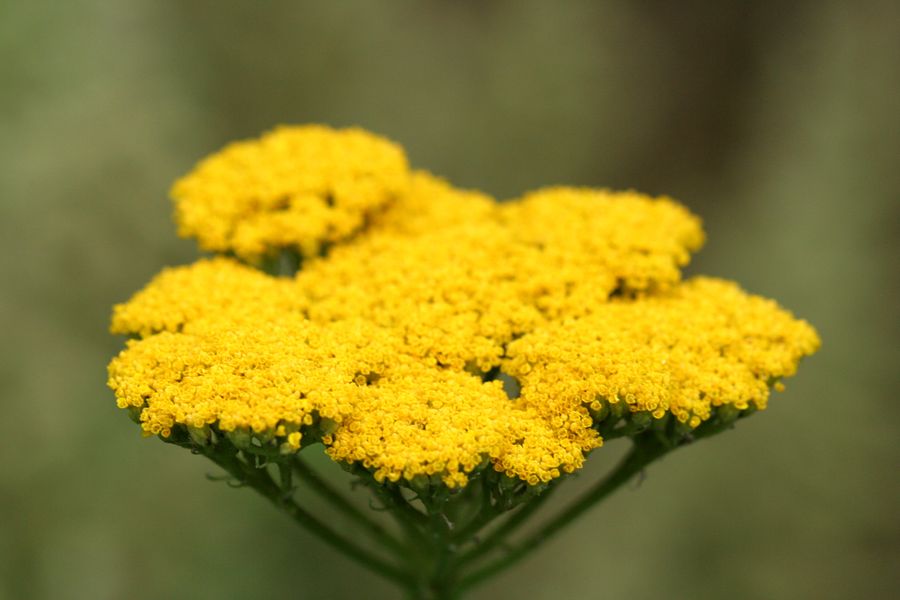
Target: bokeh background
778 123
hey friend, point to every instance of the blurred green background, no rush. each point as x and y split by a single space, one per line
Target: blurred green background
778 123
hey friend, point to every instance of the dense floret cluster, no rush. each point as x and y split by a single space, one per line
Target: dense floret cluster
432 332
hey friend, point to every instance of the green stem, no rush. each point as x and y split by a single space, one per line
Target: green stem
339 502
405 515
499 535
260 480
469 530
641 454
405 507
440 584
486 511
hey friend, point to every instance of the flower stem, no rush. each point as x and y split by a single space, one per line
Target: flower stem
641 454
413 522
227 457
499 535
339 502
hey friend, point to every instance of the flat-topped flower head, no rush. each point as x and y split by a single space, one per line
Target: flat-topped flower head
396 349
685 352
642 240
297 188
593 243
246 358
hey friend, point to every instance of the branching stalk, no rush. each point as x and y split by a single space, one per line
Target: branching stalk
499 536
339 502
259 479
641 455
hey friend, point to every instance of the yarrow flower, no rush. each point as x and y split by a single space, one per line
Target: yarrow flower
435 337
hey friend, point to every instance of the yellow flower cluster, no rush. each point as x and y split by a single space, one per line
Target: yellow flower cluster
387 346
684 352
219 288
296 187
463 288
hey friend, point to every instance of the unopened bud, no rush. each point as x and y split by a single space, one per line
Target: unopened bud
199 435
240 438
